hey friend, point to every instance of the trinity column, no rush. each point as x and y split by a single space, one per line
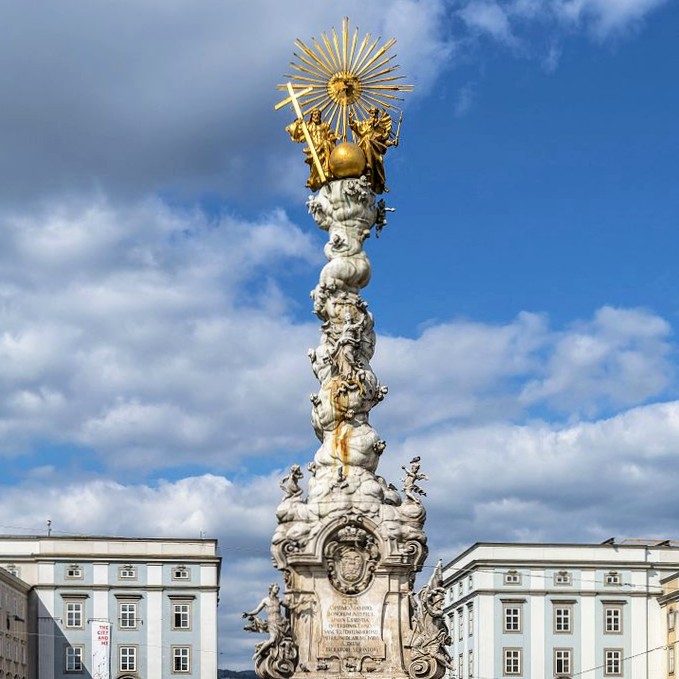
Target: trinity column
350 547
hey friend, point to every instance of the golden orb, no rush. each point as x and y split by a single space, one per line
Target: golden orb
347 160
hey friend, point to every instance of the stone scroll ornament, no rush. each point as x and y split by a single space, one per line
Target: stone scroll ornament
350 547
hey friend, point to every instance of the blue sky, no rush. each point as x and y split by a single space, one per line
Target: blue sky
157 256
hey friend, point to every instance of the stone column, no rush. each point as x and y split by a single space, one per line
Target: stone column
350 549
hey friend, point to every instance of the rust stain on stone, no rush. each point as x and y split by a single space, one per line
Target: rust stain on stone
342 430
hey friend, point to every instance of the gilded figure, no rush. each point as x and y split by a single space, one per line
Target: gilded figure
323 138
373 135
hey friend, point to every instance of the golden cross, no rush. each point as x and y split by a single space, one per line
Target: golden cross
292 99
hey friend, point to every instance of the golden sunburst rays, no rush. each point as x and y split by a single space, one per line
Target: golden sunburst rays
341 76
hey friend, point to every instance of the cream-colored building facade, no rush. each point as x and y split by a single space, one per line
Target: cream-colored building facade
14 656
669 604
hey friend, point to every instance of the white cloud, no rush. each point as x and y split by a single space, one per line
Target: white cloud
488 17
550 482
511 21
619 358
183 508
156 338
463 371
143 333
606 17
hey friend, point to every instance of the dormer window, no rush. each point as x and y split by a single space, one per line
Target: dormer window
181 573
613 578
74 572
512 578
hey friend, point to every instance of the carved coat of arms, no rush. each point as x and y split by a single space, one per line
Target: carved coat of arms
351 556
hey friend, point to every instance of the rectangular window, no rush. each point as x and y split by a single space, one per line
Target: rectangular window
470 664
512 617
181 616
512 578
181 573
127 573
127 615
511 661
470 620
73 659
74 614
74 572
562 578
460 588
127 656
181 659
612 578
460 665
670 619
670 660
562 619
613 619
460 624
470 583
613 662
563 658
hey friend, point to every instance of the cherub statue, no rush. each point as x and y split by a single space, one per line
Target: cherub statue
373 135
411 489
323 138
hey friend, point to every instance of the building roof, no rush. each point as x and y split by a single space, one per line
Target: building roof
4 536
608 550
22 547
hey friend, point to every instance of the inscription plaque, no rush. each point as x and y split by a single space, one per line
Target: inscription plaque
351 628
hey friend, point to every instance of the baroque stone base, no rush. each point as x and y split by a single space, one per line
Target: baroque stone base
352 605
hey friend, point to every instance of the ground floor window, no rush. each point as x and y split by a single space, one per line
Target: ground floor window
563 661
181 659
128 658
613 662
512 661
73 658
670 660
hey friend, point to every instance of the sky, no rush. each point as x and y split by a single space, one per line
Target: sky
156 258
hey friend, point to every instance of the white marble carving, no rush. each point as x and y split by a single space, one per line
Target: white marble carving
275 658
350 548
